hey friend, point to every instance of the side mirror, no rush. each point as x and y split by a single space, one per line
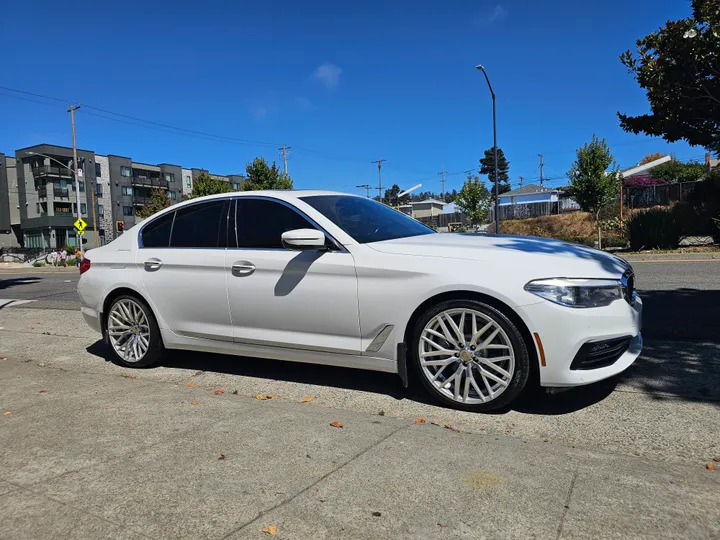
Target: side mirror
301 239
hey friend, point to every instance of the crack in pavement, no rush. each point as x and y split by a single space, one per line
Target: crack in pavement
567 504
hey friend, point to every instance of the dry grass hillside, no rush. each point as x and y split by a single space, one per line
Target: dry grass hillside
577 227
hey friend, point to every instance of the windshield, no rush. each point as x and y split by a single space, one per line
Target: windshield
365 220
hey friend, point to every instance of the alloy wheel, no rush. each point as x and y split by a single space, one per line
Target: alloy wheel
129 330
466 356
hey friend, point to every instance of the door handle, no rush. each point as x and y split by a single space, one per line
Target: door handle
151 265
242 268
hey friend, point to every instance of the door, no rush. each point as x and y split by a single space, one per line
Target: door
182 263
287 298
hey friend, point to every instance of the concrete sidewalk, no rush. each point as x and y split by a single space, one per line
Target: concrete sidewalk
88 455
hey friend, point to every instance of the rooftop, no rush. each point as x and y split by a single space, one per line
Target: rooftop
530 189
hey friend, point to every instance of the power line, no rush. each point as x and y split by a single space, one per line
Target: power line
366 187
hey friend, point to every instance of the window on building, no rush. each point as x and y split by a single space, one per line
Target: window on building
37 207
157 233
125 171
83 209
98 190
172 195
126 190
98 169
200 226
188 182
100 210
82 187
127 210
236 186
260 223
170 177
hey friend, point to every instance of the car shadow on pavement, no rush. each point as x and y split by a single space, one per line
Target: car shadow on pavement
17 282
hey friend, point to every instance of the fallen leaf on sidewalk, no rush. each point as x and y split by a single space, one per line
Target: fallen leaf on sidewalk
434 424
708 466
419 420
198 373
333 424
191 383
219 392
307 399
68 475
10 412
131 376
271 530
43 391
716 459
376 514
452 428
3 357
263 397
193 403
222 456
442 524
235 392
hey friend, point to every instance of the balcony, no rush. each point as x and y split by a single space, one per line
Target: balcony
42 192
64 214
49 170
60 193
140 201
145 181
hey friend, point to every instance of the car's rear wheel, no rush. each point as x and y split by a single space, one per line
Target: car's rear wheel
469 355
133 332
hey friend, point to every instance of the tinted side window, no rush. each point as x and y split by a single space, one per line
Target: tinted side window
157 233
260 223
201 225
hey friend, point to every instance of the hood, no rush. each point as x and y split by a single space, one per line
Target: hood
549 257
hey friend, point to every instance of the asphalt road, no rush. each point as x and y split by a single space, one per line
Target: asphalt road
682 299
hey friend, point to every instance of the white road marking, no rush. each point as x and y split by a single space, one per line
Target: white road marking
10 302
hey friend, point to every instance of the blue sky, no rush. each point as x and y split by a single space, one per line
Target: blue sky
343 84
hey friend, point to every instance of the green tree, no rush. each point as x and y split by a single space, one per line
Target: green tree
677 171
473 200
159 201
261 176
391 196
678 67
594 179
207 185
487 167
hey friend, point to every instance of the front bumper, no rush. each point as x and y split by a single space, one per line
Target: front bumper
563 331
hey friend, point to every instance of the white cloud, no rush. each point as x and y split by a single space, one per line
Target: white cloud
259 112
498 14
328 75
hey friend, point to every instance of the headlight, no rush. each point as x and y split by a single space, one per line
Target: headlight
577 293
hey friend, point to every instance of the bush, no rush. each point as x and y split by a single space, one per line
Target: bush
72 262
655 228
38 264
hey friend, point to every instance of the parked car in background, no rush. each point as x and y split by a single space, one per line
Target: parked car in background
330 278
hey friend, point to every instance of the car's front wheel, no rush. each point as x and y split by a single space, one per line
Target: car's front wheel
469 355
133 332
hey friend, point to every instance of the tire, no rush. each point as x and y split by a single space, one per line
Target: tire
145 347
497 359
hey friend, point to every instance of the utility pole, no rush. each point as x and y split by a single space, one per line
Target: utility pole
379 162
76 170
95 229
521 178
366 187
541 169
442 182
284 150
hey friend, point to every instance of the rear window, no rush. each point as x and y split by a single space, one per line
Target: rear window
157 233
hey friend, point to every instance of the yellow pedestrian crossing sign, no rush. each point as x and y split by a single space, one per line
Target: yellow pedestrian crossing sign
80 225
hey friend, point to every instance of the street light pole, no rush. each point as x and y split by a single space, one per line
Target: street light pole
495 151
76 168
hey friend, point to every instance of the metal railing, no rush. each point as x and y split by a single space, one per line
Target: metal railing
42 192
141 200
149 182
49 170
60 193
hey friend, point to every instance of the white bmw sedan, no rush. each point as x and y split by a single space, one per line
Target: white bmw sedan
331 278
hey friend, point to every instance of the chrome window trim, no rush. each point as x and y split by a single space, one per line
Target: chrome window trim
340 247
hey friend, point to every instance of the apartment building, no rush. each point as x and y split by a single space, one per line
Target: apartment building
38 199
